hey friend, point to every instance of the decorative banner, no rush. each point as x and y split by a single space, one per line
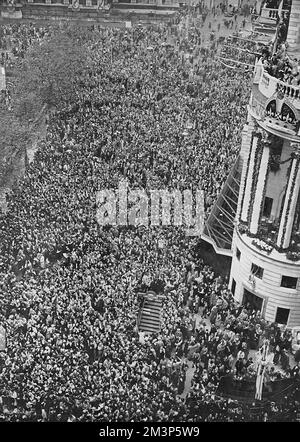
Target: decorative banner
75 4
101 4
2 338
11 5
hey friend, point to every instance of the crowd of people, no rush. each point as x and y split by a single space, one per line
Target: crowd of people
16 38
283 67
159 112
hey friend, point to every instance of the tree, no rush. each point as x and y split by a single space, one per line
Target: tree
14 137
48 75
50 71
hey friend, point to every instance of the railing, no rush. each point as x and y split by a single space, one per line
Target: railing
288 89
272 13
268 85
57 3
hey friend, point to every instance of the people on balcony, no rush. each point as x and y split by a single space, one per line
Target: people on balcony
281 66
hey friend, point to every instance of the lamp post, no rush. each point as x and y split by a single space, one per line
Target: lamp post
263 358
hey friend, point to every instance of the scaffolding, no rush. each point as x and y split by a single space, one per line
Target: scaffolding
219 227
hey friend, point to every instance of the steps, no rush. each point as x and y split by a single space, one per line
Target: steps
150 315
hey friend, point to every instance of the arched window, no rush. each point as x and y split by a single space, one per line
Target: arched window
286 113
271 108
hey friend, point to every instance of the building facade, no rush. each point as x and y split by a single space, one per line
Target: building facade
265 270
256 218
86 9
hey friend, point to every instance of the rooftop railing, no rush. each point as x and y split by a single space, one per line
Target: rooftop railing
272 13
268 85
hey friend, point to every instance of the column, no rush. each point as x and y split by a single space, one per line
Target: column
259 191
249 176
290 201
293 37
244 156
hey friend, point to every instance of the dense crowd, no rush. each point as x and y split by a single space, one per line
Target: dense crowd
15 39
159 112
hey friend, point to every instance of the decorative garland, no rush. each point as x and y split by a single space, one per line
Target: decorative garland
293 256
274 163
257 159
264 191
242 227
245 180
288 172
290 198
265 143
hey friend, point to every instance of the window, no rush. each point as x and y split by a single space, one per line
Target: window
275 154
238 253
267 207
282 315
289 282
277 146
252 301
257 271
233 286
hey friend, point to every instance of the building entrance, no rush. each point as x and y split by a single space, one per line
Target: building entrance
252 301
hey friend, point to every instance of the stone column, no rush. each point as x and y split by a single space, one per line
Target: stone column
290 201
244 156
249 174
293 37
259 190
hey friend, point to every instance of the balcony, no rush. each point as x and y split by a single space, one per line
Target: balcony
275 104
268 230
265 240
269 85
